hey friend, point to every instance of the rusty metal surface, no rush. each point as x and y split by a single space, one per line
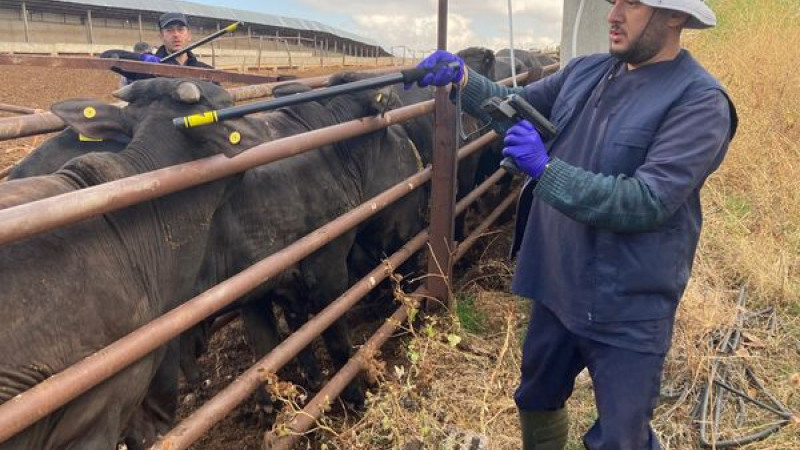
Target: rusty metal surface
443 184
18 109
32 218
442 204
44 398
162 70
29 125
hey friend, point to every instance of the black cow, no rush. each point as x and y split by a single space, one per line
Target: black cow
420 129
278 203
53 153
74 290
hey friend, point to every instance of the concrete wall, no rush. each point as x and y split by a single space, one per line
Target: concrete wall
592 36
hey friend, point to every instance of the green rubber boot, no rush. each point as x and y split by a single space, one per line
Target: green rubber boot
544 430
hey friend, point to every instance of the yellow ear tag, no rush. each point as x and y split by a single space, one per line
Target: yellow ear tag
235 138
379 97
84 138
89 112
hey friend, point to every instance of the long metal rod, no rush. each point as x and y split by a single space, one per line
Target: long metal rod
220 405
209 117
46 397
18 109
46 122
229 29
17 127
36 217
193 427
303 421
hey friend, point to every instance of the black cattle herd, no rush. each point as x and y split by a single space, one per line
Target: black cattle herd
70 292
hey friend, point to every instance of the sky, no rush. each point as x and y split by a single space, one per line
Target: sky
537 23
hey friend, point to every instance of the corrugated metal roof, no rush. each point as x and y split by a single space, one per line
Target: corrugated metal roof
195 9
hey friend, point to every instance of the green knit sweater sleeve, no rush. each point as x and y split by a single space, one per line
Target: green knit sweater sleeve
478 89
619 203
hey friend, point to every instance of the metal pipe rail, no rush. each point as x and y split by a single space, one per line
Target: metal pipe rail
47 122
303 421
44 398
201 420
36 217
5 107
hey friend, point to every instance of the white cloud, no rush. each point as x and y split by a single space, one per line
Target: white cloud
413 23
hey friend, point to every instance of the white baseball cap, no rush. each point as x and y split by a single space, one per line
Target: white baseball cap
700 15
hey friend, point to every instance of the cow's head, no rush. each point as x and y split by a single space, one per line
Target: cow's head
479 59
147 118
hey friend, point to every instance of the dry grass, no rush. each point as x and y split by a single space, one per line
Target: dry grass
751 237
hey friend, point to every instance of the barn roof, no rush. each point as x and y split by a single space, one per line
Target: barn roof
217 12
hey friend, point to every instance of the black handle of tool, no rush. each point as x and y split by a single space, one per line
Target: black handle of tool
416 74
208 117
525 111
229 29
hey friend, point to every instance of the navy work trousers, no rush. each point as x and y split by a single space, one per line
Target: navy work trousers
626 383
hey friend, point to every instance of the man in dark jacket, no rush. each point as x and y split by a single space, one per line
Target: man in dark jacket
175 34
609 218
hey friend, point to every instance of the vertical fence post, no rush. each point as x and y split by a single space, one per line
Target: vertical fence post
25 22
443 187
90 31
288 52
141 31
260 46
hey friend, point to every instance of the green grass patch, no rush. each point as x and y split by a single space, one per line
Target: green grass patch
472 319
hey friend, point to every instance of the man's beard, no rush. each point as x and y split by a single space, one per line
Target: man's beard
648 44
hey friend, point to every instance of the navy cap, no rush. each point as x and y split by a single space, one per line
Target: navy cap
170 18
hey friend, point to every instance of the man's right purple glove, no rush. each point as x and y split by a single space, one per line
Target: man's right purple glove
149 57
444 75
524 144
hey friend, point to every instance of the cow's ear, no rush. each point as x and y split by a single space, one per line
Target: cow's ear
383 100
229 137
92 118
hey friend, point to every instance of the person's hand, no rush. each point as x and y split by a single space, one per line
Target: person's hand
523 143
443 75
148 57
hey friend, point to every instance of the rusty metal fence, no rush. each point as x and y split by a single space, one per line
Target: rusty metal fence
29 219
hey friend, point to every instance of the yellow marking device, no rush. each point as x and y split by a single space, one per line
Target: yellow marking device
196 120
89 112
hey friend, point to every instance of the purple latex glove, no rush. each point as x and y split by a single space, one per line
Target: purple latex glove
523 143
443 75
148 57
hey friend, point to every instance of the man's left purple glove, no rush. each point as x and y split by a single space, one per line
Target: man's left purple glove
444 74
148 57
523 143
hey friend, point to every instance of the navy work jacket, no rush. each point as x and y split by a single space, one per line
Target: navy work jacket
616 287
